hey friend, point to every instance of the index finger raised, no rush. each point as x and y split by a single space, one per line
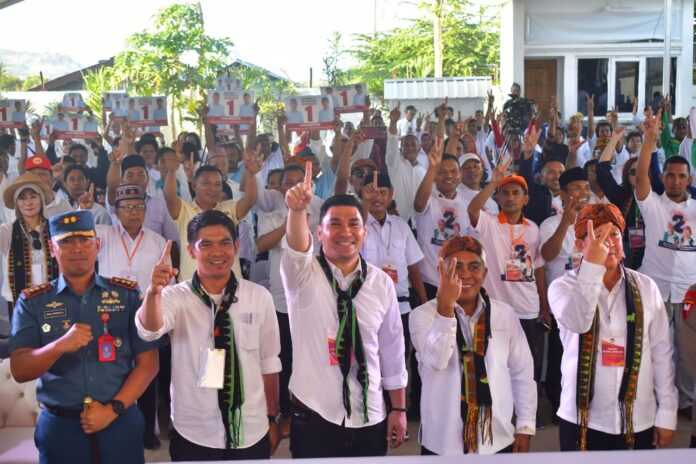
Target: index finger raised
308 174
165 255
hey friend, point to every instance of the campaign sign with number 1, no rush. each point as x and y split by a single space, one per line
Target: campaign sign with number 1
13 114
75 126
146 111
230 107
309 112
72 101
347 98
109 100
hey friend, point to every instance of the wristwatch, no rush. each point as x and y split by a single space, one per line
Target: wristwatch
273 419
118 406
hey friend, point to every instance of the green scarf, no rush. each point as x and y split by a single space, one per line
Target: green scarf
231 395
629 383
348 339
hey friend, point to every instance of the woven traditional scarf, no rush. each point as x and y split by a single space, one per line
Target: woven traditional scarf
231 396
476 402
19 258
348 338
629 383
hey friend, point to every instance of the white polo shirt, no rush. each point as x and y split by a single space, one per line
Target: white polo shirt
441 219
509 367
392 248
315 380
194 410
670 244
512 255
573 299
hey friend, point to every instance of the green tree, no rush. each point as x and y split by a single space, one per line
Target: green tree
331 62
175 58
96 83
470 39
8 82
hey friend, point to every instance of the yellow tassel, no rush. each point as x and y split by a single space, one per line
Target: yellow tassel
584 421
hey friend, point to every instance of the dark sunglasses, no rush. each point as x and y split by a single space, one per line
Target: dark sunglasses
361 174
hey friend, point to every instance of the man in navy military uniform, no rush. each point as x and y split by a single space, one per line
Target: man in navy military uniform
76 334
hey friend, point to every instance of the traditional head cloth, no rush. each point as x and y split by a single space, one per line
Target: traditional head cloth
598 213
129 192
30 181
466 243
73 223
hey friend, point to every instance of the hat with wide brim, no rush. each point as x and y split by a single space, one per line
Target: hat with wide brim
27 180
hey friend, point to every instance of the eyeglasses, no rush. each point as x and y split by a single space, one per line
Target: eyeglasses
631 172
361 174
35 239
131 208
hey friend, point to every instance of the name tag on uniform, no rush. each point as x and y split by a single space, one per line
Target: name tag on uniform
107 353
211 368
391 271
612 352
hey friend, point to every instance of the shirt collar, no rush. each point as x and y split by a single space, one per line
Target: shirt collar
503 219
339 275
97 280
371 219
477 311
666 199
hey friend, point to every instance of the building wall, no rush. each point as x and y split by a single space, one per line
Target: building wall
515 19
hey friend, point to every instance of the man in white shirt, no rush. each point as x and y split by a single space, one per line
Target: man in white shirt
472 173
557 238
348 344
466 338
75 183
408 125
402 164
618 376
224 338
440 214
670 249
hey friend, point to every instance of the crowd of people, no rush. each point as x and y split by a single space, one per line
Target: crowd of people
447 270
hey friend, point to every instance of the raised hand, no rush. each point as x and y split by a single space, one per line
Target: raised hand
163 272
575 143
369 191
86 200
651 125
300 196
618 133
78 336
491 97
500 171
530 140
442 109
189 166
116 155
590 103
450 284
435 154
395 114
596 248
252 162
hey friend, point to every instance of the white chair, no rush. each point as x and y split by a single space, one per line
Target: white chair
19 413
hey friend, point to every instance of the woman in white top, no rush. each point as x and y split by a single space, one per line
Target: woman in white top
26 259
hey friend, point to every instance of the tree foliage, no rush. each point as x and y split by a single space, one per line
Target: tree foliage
11 83
175 58
331 62
470 40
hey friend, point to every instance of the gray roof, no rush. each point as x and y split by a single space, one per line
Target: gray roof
432 88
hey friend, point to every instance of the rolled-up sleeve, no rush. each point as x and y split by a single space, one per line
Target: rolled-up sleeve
661 352
269 349
573 299
391 345
433 336
295 268
169 310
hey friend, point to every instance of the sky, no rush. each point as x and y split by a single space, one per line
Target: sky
286 37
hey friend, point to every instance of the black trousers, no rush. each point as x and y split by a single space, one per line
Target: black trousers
414 378
569 435
552 383
180 449
311 436
426 452
430 291
148 407
285 361
534 337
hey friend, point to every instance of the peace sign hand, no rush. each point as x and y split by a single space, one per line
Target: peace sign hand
501 169
252 162
450 284
163 272
596 248
299 197
369 191
435 154
86 200
395 114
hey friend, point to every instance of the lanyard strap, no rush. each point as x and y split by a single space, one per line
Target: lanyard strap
379 236
137 245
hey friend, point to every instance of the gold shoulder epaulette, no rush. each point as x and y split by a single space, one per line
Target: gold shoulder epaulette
31 292
125 283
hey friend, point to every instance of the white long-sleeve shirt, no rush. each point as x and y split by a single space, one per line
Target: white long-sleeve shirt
509 367
405 177
194 411
573 299
315 381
